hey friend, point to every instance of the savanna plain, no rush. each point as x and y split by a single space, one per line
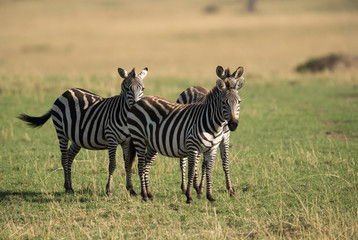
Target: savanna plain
293 158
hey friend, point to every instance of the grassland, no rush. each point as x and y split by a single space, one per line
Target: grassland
293 159
293 165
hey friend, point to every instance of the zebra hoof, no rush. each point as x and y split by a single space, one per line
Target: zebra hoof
232 193
132 193
183 189
200 195
189 201
150 196
213 202
70 191
144 196
109 194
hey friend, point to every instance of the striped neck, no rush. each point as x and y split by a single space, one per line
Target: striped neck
127 98
213 106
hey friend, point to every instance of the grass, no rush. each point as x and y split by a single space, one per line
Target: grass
293 159
293 165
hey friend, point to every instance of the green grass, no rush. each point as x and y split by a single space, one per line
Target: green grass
293 163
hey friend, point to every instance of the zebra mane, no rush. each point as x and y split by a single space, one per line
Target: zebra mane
227 73
229 80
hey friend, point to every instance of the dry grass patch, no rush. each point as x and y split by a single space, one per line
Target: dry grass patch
174 39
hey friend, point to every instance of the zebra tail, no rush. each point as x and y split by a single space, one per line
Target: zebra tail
35 121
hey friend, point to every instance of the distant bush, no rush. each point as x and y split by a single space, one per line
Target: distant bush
330 62
210 9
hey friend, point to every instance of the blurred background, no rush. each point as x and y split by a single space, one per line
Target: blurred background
175 39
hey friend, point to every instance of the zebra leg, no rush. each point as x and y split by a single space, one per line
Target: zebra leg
128 156
224 152
200 189
141 170
151 155
183 167
196 180
209 173
71 154
64 160
183 180
193 161
141 149
112 166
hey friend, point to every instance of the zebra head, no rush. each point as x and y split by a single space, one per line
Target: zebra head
132 84
229 85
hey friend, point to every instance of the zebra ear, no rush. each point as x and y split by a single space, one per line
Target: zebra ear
143 73
122 73
220 72
240 83
239 71
220 84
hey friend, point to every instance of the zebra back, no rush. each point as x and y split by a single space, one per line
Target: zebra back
192 95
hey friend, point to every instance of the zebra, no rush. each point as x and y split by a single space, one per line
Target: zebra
197 94
93 122
158 125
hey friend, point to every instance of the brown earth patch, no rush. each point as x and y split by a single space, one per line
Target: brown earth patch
351 97
330 122
339 135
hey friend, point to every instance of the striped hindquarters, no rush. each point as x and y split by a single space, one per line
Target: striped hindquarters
88 120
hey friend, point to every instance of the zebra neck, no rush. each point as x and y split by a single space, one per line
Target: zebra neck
124 101
213 110
122 106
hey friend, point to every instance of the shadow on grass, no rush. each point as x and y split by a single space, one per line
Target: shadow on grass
43 197
39 197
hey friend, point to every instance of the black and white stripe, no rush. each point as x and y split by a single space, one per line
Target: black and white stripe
93 122
197 94
184 130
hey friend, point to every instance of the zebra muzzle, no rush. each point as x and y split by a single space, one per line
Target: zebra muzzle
233 123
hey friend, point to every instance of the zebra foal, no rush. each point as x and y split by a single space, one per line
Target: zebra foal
184 130
92 122
197 94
